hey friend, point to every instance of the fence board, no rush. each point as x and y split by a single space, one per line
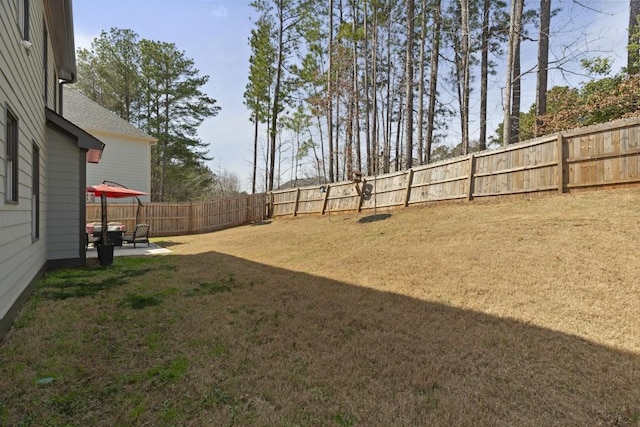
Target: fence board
168 219
598 155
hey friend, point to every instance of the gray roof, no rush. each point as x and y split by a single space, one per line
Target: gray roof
84 140
303 182
91 116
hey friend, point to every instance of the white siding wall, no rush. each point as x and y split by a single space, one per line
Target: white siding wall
63 209
21 90
126 161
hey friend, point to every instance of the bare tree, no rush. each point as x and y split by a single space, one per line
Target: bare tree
463 73
484 73
409 85
421 65
514 40
330 94
433 78
543 62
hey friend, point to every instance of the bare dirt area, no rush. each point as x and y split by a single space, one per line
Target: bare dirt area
510 312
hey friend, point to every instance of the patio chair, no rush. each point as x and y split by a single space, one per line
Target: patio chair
140 235
90 238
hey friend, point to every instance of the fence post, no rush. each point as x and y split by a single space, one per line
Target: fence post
407 189
295 205
191 218
361 193
561 162
472 171
324 201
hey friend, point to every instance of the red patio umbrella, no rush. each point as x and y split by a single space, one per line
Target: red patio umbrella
113 191
104 190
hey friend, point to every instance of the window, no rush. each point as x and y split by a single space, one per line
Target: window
35 192
12 158
23 18
45 61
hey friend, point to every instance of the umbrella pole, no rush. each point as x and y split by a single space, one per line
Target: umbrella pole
103 202
138 211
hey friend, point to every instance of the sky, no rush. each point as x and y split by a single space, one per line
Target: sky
215 33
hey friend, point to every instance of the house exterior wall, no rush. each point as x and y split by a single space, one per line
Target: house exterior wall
65 246
125 160
23 257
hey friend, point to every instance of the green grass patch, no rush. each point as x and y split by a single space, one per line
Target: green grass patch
168 373
220 349
218 397
139 302
213 287
89 281
344 419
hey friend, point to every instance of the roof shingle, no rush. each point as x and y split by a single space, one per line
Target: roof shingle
91 116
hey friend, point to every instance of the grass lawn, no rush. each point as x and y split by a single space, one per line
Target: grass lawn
500 313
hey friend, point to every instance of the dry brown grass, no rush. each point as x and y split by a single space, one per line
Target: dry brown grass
522 312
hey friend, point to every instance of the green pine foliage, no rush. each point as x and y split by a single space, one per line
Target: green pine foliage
156 87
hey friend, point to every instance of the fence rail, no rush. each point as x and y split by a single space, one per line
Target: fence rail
167 219
595 156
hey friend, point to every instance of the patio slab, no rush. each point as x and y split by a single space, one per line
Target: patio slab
127 249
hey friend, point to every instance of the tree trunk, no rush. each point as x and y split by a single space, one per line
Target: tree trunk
330 94
356 94
398 161
409 86
514 39
367 119
423 42
465 71
374 81
433 78
484 74
255 154
276 100
387 113
324 167
543 63
516 101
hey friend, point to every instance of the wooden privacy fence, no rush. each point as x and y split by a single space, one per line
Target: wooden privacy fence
599 155
167 219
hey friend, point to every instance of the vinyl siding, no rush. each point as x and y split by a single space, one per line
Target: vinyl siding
126 161
21 90
63 209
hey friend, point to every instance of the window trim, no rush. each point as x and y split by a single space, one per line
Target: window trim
12 158
35 192
23 19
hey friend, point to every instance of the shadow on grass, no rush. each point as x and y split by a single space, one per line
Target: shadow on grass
265 222
297 349
166 243
374 218
89 281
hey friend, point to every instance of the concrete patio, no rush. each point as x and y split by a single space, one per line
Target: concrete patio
127 249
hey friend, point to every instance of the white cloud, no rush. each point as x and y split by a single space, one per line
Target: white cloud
219 12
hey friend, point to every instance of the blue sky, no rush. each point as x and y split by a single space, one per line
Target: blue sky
214 33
